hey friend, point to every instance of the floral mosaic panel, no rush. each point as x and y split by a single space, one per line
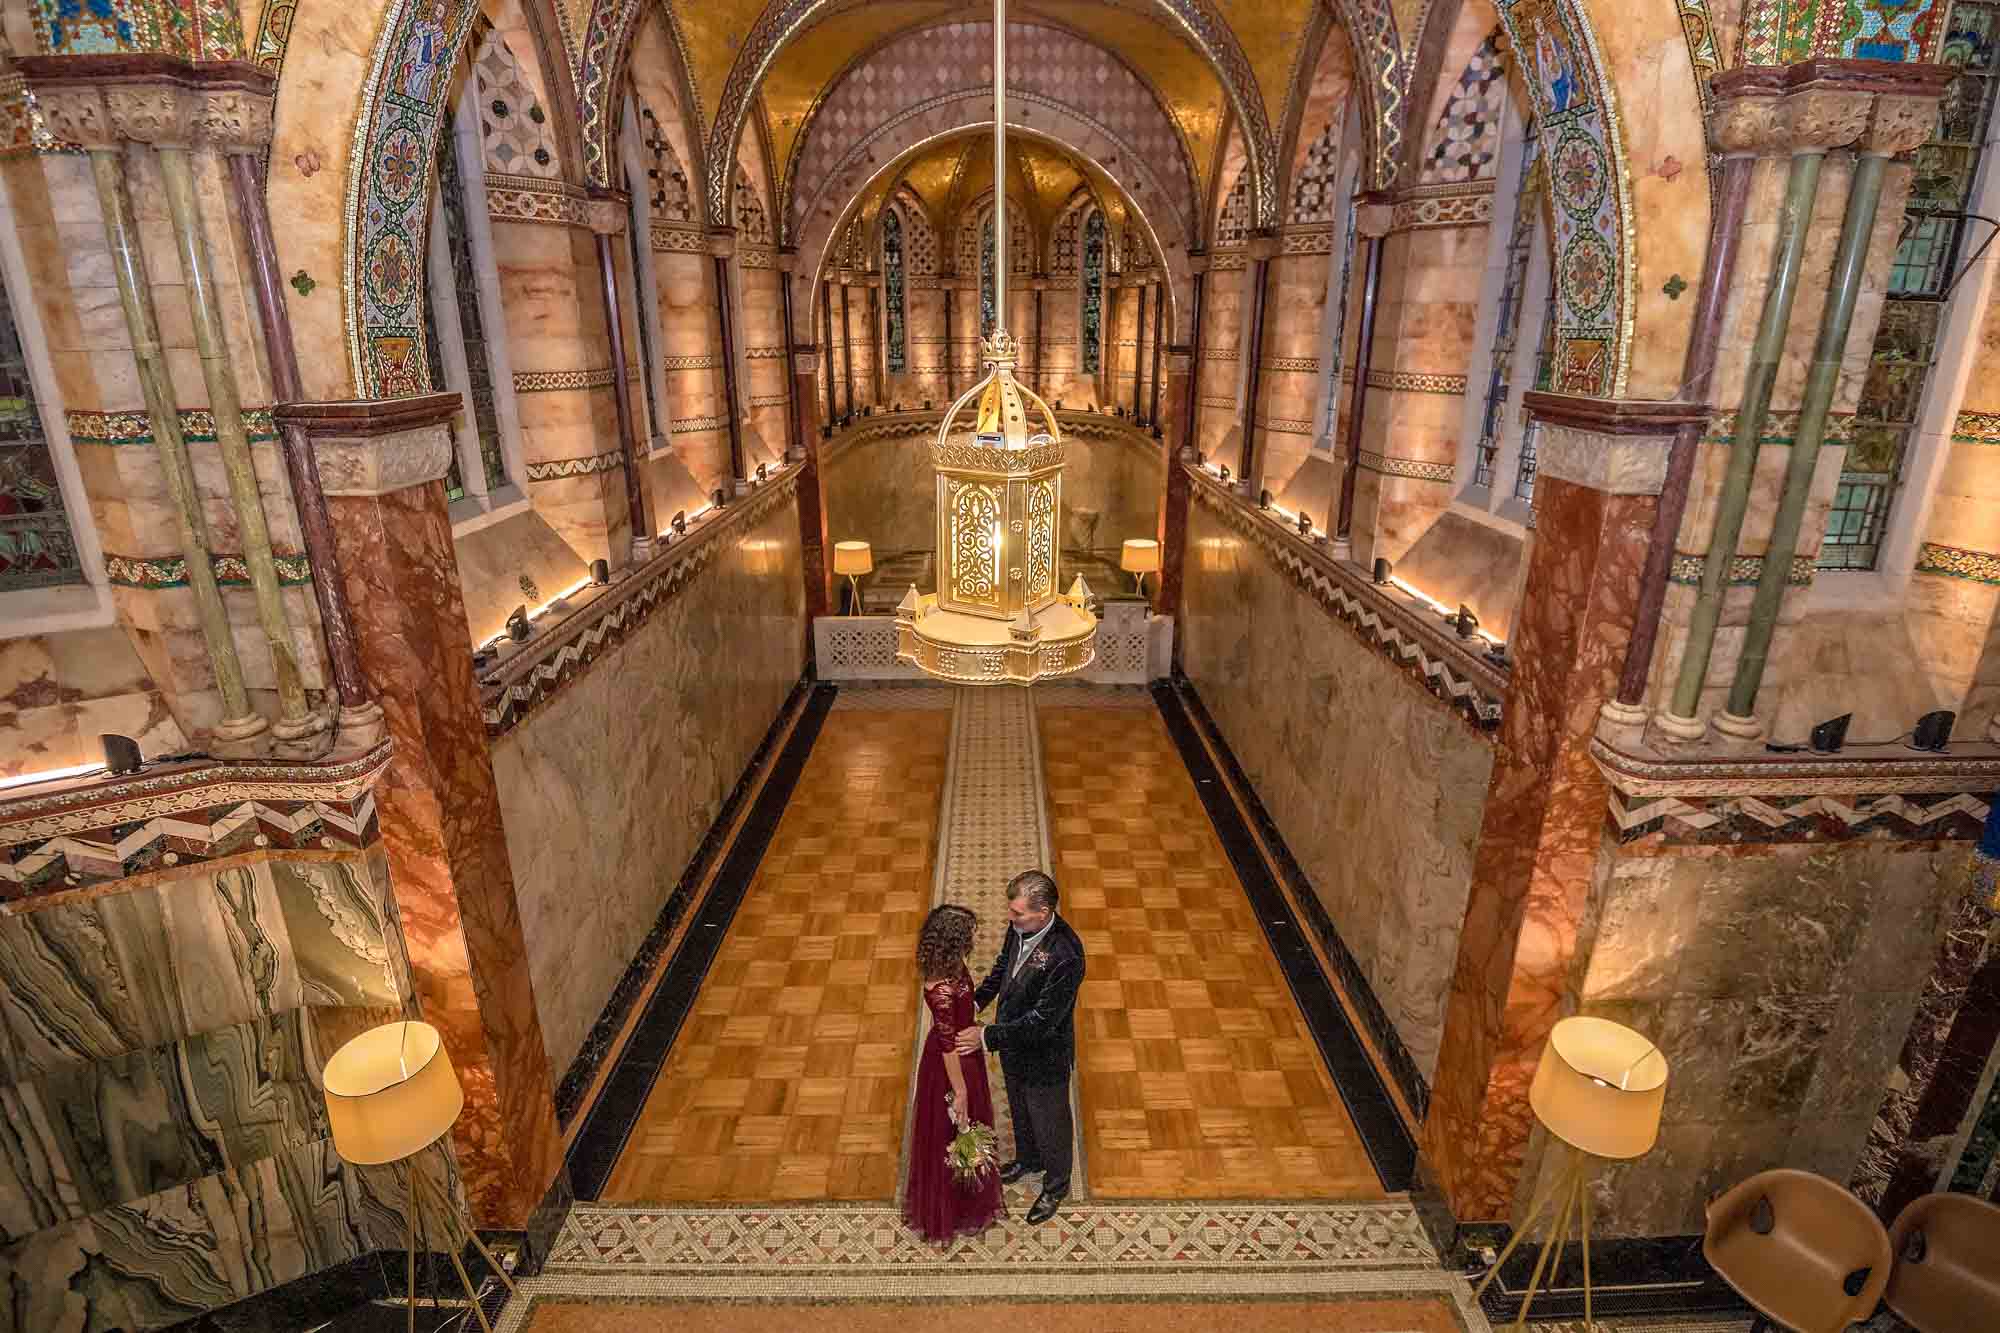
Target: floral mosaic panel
753 225
1783 32
518 139
892 285
390 190
1588 191
666 179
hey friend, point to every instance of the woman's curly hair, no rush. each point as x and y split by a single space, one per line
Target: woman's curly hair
944 941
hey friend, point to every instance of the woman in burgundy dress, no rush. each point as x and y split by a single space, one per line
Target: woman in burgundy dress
952 1091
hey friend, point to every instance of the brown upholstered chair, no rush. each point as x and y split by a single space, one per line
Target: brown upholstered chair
1947 1272
1802 1250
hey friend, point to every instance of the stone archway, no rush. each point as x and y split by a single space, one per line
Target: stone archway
825 215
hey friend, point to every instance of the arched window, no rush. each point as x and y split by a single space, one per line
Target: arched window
638 236
459 285
1507 321
892 286
986 277
1092 289
1928 259
37 549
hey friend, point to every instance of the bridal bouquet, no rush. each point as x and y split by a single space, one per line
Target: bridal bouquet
973 1155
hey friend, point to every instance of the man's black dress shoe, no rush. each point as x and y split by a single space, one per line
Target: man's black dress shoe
1013 1171
1045 1207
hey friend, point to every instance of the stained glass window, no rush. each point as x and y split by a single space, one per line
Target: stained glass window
1093 290
1524 474
633 232
1339 322
36 547
986 278
892 283
1927 258
454 476
471 323
1507 321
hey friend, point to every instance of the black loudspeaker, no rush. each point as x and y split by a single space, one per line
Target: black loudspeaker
600 572
1933 730
718 497
680 521
121 754
1465 622
517 625
1223 469
1830 735
1263 499
763 470
1305 524
1382 570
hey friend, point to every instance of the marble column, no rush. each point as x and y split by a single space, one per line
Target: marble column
721 247
382 465
1257 283
950 345
686 276
1139 353
847 350
1159 344
812 489
826 344
1371 219
1600 468
875 348
608 221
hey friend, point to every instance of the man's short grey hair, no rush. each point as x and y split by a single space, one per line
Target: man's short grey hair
1035 887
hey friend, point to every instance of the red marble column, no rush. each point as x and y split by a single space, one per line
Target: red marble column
382 464
812 489
1540 837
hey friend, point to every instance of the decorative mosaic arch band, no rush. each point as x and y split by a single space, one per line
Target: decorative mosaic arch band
785 19
1784 32
388 184
1590 194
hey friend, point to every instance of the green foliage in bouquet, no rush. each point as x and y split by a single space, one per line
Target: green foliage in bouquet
974 1155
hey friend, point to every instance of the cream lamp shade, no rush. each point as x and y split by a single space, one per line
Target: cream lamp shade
853 558
1600 1087
1140 556
390 1093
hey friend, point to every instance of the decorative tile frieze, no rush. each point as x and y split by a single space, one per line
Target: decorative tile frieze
1292 365
1220 354
555 381
557 469
531 199
756 256
1976 428
678 238
1743 569
1285 426
1410 381
763 353
1781 427
1467 207
1418 469
197 426
769 400
696 425
1956 562
705 361
1468 684
170 571
96 832
526 679
1227 261
1765 798
1310 240
1225 402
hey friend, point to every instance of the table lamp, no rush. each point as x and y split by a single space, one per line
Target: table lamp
391 1093
1599 1089
1140 557
852 559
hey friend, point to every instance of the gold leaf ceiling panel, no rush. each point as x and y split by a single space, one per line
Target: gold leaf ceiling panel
713 30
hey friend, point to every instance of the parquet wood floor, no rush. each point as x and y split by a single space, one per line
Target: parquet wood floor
789 1079
1198 1078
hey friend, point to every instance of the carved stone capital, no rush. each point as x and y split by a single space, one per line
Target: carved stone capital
805 361
1374 215
1261 247
101 101
1899 124
1749 122
607 214
367 448
1824 118
722 242
1827 103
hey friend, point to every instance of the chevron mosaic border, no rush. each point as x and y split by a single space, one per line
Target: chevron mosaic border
1472 689
1686 820
112 829
519 684
557 469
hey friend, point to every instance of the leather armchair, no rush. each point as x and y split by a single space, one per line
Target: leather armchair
1801 1249
1947 1270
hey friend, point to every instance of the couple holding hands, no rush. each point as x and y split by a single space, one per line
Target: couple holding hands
954 1183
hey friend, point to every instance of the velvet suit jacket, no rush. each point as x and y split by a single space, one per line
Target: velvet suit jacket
1034 1028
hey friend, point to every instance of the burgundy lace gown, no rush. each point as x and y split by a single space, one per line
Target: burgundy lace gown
935 1204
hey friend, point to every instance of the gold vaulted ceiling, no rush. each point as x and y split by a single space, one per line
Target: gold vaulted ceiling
1138 31
950 174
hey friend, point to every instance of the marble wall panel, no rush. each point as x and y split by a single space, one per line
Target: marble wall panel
607 790
521 560
1780 982
1377 787
60 692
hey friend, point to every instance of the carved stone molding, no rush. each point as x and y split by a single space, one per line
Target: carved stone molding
367 448
101 101
607 213
722 242
1820 104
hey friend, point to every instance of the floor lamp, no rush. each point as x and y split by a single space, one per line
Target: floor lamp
853 559
1599 1089
391 1093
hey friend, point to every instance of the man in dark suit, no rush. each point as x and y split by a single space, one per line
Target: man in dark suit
1033 1031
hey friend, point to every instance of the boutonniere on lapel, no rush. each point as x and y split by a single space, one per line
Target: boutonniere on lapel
1039 959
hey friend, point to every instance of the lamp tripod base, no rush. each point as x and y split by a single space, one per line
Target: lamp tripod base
1567 1197
425 1197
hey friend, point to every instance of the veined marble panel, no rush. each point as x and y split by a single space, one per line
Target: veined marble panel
1376 785
608 786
